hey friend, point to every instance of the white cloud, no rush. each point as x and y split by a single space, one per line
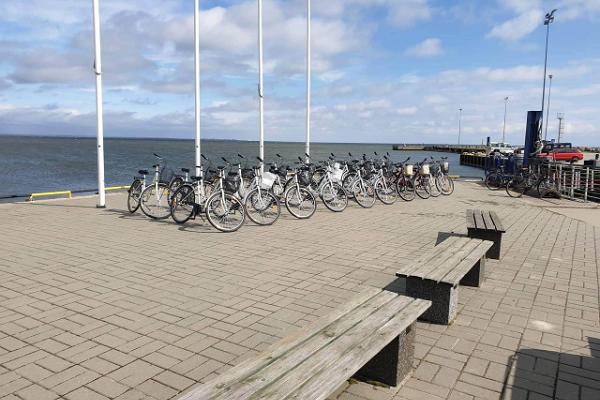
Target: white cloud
427 48
518 27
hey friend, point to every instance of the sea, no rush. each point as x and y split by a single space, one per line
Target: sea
39 164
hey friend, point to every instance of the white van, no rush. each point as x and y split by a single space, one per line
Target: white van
499 147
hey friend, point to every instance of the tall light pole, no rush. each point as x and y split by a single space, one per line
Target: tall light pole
308 75
548 108
99 105
504 127
561 127
460 110
197 80
261 99
547 21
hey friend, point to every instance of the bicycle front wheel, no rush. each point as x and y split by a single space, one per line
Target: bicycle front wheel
300 202
445 185
386 193
405 189
421 185
334 197
516 187
225 212
262 207
493 181
133 197
432 186
183 204
155 200
347 183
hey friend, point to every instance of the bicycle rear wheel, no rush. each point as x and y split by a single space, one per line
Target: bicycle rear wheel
334 197
364 193
262 207
183 204
445 184
133 196
516 187
155 200
432 185
225 212
300 202
348 182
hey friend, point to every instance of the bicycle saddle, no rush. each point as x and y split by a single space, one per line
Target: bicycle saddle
186 170
196 178
143 172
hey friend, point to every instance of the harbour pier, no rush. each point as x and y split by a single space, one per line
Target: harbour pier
103 304
446 148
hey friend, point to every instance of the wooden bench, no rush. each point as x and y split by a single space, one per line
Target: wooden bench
435 275
486 225
369 337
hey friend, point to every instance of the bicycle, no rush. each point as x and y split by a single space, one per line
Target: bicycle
421 180
224 210
385 191
331 193
444 184
299 200
153 199
404 180
189 199
261 204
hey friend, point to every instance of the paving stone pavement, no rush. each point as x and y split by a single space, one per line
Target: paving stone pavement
101 304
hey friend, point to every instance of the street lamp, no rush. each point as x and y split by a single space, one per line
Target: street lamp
547 21
548 110
460 110
504 127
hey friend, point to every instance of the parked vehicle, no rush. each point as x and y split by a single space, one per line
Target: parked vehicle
500 147
561 152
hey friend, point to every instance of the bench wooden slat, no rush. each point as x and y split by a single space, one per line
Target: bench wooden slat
497 222
310 349
441 261
467 263
250 366
487 221
318 383
440 274
470 218
479 220
428 256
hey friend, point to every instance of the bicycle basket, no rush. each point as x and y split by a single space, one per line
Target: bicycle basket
337 174
445 167
267 180
248 173
231 184
425 170
304 177
409 170
166 174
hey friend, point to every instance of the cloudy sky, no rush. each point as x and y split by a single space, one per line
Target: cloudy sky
384 70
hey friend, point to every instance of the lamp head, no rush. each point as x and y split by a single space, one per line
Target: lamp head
549 17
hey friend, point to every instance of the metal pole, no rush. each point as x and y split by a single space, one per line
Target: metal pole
197 78
308 74
545 67
459 123
99 103
261 99
504 127
548 108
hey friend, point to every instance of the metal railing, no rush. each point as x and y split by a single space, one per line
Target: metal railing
578 181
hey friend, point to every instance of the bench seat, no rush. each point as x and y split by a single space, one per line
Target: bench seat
436 274
486 225
369 337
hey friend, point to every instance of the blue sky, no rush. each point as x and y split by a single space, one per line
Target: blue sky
384 70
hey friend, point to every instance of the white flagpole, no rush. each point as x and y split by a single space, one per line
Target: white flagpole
308 74
261 98
99 110
197 75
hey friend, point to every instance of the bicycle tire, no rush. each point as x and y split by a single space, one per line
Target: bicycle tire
299 200
421 188
385 193
183 204
493 181
218 212
405 189
265 204
347 183
516 187
334 197
364 194
133 196
155 201
432 186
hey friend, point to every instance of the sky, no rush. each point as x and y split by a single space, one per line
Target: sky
386 71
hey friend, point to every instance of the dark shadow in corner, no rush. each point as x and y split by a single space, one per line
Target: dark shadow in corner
534 373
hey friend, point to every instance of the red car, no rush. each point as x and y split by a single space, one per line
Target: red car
562 152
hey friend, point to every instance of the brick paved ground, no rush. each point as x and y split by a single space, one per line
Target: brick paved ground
100 304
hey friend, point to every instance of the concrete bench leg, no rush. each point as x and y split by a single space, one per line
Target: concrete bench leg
496 237
444 298
392 365
476 275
